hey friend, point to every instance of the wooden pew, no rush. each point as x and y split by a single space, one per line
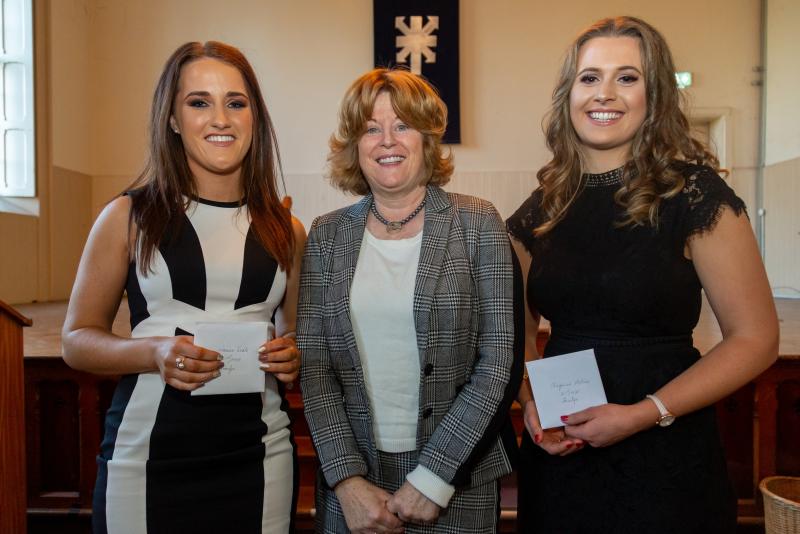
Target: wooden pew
64 426
12 423
760 424
64 417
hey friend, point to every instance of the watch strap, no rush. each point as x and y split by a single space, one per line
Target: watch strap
660 405
667 417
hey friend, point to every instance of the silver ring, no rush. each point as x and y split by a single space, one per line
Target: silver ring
179 363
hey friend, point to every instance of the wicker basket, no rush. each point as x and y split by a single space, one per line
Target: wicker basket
781 504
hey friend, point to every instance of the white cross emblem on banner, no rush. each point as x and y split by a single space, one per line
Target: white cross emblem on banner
416 41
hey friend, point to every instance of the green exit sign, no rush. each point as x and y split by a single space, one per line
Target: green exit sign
684 79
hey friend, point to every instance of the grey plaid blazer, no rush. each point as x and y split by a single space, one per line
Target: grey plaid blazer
463 310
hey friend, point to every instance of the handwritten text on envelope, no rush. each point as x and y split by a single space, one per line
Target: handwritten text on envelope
565 384
238 343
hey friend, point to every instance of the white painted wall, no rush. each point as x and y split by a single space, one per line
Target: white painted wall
307 52
781 191
105 56
782 81
72 89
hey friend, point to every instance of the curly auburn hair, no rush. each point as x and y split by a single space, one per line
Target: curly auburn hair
414 101
651 174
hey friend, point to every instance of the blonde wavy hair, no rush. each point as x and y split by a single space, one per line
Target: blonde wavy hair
651 174
414 101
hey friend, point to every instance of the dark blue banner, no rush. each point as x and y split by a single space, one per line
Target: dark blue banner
422 35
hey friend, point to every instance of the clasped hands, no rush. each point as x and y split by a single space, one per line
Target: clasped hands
368 508
183 365
599 426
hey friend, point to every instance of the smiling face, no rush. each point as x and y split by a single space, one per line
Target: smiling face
390 152
608 102
212 113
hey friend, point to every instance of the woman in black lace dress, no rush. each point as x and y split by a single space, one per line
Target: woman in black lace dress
630 221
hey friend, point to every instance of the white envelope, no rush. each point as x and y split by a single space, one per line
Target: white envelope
238 343
565 384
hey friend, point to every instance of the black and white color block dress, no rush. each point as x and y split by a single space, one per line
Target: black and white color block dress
171 462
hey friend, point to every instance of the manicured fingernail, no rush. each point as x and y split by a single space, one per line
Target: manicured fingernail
537 438
264 365
262 349
569 445
564 418
219 357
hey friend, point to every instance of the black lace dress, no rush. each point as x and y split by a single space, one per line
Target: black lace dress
630 294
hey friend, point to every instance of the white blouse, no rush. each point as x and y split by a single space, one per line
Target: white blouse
382 314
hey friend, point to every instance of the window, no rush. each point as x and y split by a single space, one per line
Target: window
17 171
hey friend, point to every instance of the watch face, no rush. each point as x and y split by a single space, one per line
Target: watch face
666 420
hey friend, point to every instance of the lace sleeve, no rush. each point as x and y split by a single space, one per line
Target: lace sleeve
706 195
521 224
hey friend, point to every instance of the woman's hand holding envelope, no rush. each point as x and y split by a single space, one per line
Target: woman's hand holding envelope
281 357
553 440
601 426
183 365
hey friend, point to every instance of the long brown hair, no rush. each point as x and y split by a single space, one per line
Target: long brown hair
650 176
164 189
414 101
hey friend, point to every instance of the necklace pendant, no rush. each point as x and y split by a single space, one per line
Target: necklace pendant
394 226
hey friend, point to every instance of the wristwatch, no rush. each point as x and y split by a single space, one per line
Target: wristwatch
666 418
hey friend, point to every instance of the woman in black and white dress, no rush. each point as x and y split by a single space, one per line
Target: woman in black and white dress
199 236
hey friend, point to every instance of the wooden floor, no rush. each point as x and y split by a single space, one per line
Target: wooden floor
43 341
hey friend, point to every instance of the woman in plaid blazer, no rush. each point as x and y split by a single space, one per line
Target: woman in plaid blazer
406 325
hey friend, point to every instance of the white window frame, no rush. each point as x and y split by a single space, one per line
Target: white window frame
17 120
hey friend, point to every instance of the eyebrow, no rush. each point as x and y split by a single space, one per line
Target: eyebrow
596 69
228 94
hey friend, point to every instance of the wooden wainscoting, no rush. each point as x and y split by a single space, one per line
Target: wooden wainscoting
64 413
760 426
64 410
